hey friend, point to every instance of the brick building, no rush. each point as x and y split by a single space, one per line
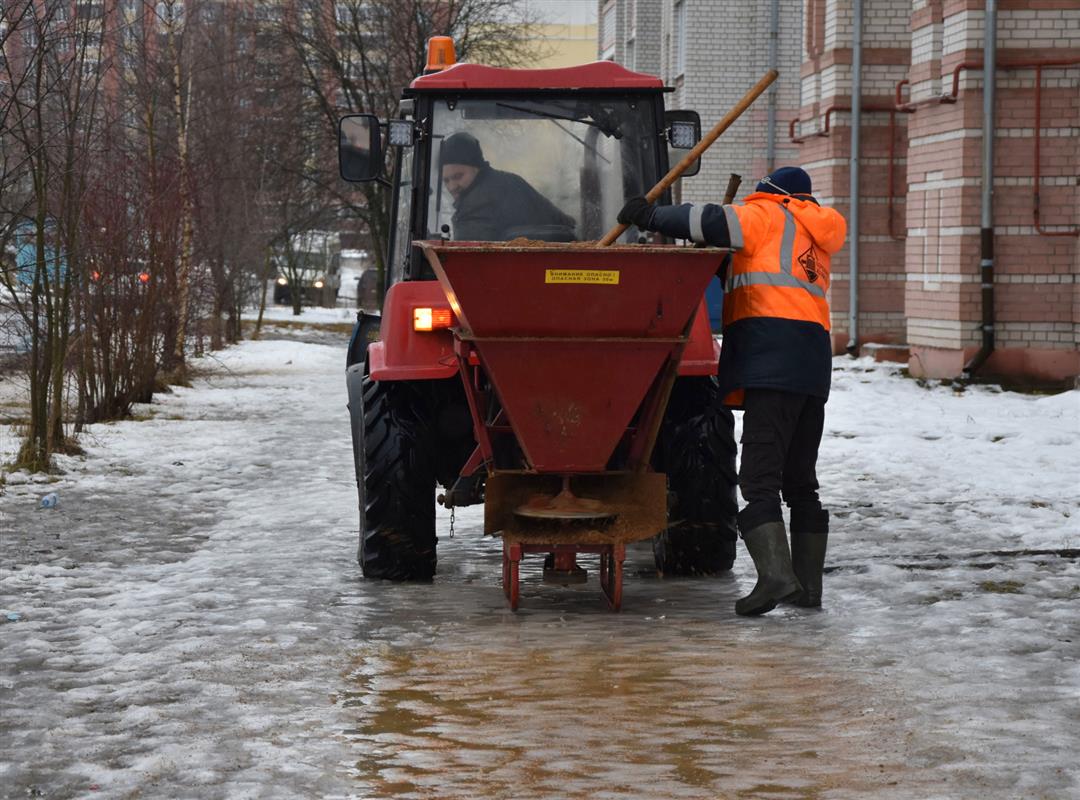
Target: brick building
920 161
711 52
921 177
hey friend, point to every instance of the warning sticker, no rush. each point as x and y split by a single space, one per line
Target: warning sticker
608 277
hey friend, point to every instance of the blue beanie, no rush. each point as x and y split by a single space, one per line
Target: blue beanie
786 180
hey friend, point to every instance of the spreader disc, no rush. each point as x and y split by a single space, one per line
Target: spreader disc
556 513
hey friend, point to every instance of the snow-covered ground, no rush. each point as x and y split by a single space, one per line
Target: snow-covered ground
311 315
190 620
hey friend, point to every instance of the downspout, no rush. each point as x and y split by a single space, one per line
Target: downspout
986 262
774 35
853 170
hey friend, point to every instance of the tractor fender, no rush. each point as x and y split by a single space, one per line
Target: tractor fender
403 353
364 333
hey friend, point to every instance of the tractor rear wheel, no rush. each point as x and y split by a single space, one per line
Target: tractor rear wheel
396 483
696 449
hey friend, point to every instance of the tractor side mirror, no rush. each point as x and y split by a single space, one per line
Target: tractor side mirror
359 148
683 129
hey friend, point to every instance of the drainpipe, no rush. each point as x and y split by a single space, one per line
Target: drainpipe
986 262
853 170
774 35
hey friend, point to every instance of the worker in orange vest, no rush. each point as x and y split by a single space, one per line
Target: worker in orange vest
775 363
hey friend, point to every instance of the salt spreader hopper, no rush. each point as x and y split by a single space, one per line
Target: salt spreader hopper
567 355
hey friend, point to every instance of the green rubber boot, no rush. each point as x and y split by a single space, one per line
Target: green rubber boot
768 547
808 561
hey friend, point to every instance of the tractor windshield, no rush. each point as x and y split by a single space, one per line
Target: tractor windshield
549 168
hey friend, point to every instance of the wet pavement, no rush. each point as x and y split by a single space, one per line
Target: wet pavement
191 622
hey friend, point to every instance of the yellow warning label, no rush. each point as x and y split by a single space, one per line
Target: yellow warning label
608 277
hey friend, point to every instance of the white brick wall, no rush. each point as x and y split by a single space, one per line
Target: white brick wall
886 23
838 28
926 43
1028 28
727 52
948 333
962 31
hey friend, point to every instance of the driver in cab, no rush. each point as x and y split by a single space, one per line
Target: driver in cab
495 206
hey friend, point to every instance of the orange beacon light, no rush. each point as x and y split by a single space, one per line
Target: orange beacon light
440 54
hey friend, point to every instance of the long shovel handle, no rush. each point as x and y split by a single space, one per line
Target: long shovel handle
699 148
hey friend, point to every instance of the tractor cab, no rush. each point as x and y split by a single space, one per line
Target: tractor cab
490 154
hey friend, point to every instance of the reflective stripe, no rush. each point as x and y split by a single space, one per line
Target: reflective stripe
772 279
734 228
787 243
695 224
784 277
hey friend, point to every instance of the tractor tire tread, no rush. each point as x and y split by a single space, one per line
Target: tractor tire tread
697 451
397 490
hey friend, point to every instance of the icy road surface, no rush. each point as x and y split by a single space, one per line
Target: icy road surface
190 621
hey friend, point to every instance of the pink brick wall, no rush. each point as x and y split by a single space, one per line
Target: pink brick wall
924 289
826 84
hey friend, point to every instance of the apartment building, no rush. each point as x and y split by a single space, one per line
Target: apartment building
919 280
711 52
920 284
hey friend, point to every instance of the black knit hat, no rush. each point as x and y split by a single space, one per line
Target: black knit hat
461 148
786 180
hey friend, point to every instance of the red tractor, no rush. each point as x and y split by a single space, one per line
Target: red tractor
569 388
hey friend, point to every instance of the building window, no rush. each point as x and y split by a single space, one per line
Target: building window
607 31
678 38
170 12
90 10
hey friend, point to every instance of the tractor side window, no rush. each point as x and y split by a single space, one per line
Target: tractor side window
399 260
554 168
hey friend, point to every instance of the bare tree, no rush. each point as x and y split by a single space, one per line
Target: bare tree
158 160
226 168
51 122
361 58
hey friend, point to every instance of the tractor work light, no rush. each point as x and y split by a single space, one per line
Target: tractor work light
318 284
431 319
400 132
683 135
282 281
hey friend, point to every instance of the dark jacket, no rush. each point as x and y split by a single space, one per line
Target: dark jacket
500 206
776 315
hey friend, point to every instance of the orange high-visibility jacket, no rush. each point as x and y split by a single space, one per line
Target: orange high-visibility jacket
776 310
781 265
